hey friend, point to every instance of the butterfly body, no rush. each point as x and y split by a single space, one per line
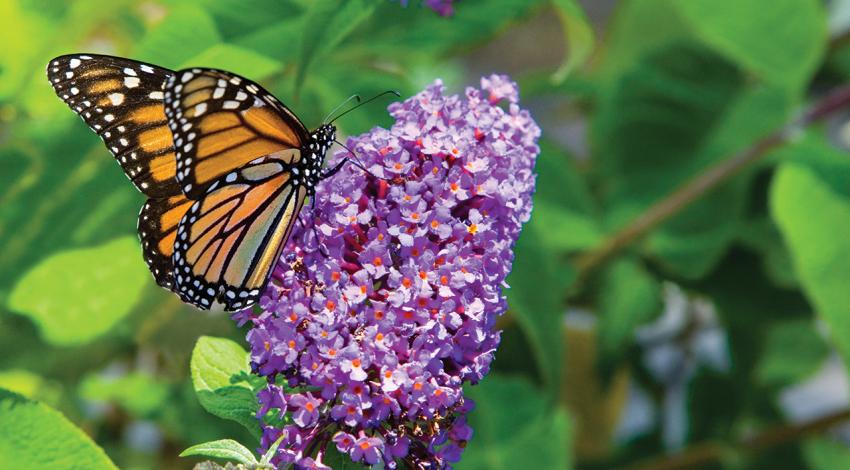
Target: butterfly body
225 165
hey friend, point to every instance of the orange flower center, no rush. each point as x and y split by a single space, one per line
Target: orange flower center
355 363
330 305
405 282
309 407
472 229
377 261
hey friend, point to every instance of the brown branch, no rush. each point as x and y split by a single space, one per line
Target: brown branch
707 452
691 190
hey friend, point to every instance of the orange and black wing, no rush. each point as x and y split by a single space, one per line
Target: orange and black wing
157 229
221 122
122 101
228 242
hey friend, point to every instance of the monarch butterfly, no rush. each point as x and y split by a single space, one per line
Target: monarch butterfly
226 168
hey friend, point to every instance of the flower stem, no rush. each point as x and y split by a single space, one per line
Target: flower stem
701 184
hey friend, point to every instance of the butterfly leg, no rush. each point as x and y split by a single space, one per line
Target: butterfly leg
334 170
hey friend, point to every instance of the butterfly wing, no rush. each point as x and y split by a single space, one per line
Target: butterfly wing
222 121
122 101
228 242
157 229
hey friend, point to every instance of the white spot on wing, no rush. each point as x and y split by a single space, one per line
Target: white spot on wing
116 98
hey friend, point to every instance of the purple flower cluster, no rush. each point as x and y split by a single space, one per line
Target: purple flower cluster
442 7
385 303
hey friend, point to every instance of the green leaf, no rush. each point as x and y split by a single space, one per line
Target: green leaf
229 57
629 296
30 385
237 18
138 393
538 286
339 461
562 203
783 43
678 95
762 236
77 295
810 201
579 38
530 435
823 453
36 436
222 449
404 32
326 24
793 350
184 33
654 132
218 366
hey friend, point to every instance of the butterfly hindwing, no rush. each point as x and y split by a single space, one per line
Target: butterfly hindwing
221 122
122 101
228 241
157 227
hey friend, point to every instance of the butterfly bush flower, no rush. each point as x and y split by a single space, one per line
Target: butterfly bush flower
385 303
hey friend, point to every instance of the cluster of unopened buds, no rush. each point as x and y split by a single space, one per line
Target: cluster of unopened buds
385 305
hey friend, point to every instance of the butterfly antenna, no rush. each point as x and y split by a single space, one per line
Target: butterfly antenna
356 161
388 92
352 97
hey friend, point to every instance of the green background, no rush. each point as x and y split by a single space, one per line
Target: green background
636 98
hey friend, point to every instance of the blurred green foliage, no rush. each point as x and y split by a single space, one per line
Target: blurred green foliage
657 91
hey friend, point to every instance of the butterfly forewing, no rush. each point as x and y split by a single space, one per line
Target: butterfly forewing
122 101
221 122
228 242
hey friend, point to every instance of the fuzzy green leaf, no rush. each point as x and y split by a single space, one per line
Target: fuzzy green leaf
222 449
217 366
